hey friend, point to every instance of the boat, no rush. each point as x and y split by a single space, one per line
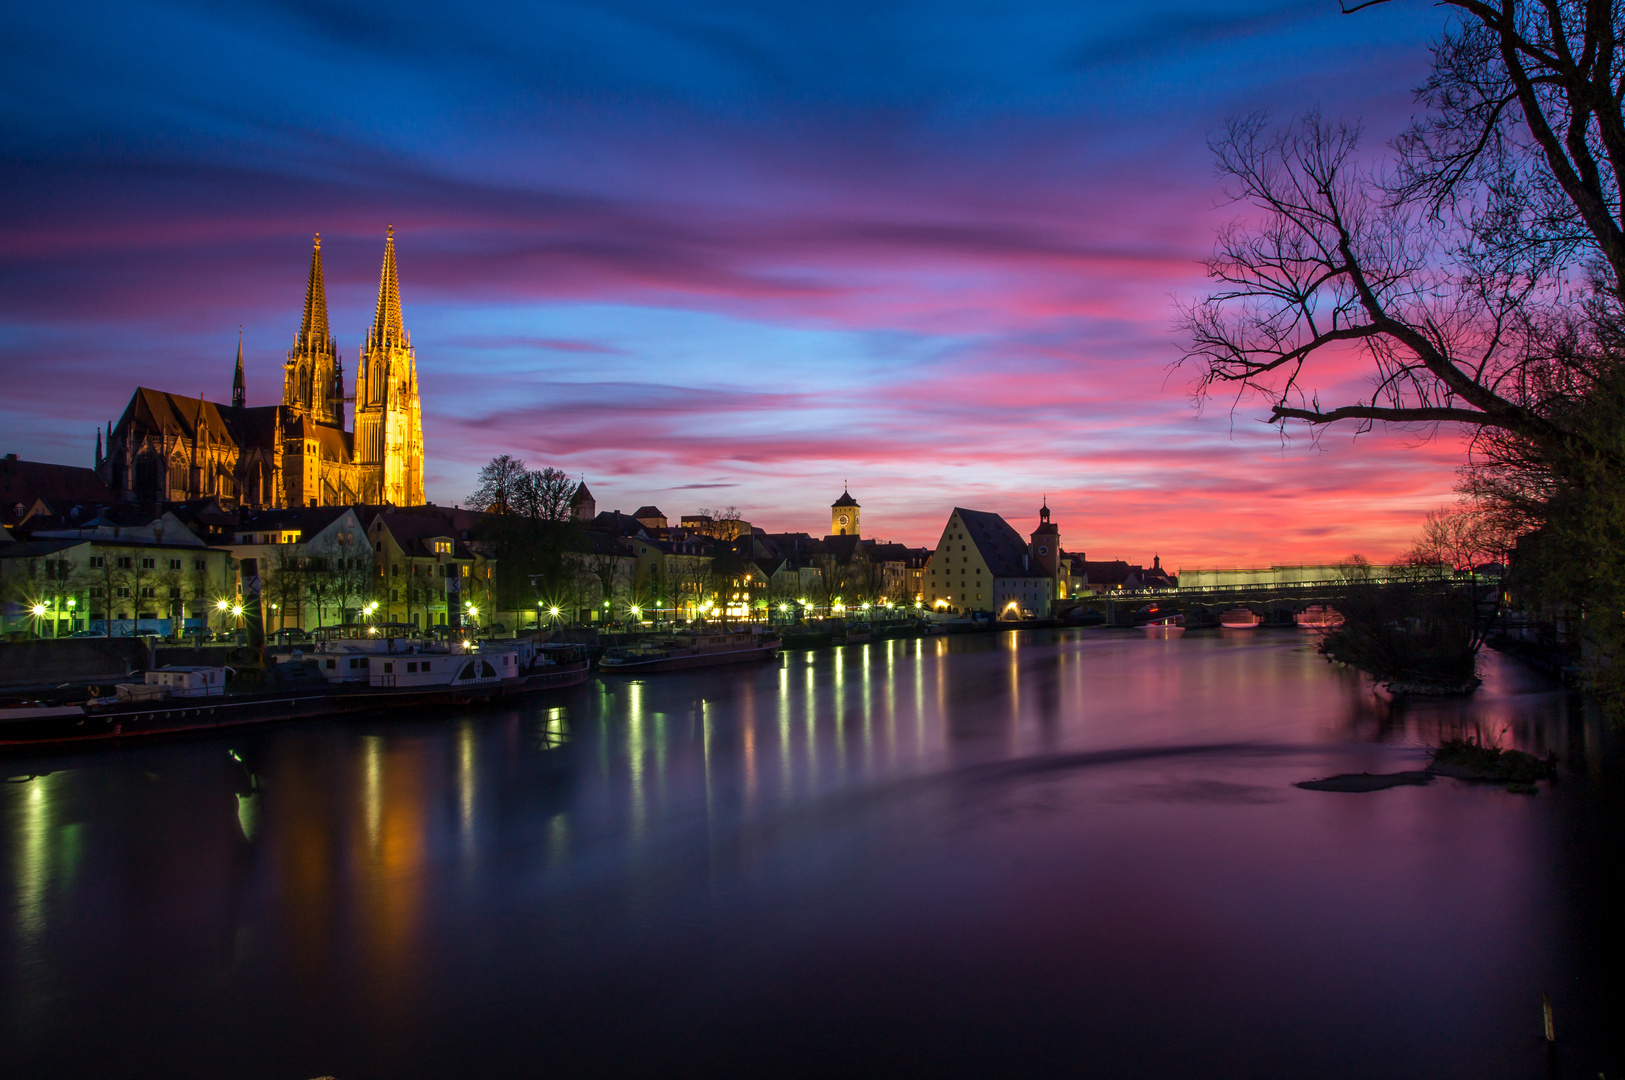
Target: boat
680 652
175 700
1171 627
1240 619
1319 617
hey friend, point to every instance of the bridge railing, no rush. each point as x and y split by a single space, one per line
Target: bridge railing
1266 589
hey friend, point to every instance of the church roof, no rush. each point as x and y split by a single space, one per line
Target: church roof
1000 546
846 499
173 414
581 495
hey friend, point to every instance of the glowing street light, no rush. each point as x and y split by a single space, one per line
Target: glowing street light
554 610
237 610
224 605
38 609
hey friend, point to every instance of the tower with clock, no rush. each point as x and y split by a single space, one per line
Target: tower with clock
843 515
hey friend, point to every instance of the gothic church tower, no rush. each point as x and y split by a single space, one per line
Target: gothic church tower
388 416
313 379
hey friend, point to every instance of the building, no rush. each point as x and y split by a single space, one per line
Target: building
843 515
582 505
314 565
32 488
424 568
118 572
650 517
171 447
982 564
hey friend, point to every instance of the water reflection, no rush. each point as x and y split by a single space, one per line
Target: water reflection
733 862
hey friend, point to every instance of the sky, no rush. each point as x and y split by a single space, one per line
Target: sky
709 254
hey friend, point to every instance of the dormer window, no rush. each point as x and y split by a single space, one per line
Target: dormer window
442 547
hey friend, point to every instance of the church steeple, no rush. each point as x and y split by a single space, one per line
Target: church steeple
239 389
388 415
386 322
311 374
313 329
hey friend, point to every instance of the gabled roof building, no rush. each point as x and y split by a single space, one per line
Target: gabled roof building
982 564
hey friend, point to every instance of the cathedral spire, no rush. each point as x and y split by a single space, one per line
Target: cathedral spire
239 391
313 329
386 323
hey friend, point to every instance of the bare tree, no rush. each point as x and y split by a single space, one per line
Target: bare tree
1459 539
544 494
724 523
502 481
1453 268
283 582
353 579
322 578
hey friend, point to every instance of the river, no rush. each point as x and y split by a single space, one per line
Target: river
1025 853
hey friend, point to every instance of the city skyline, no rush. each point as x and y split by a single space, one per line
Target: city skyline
693 266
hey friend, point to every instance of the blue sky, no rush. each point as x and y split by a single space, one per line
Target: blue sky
933 249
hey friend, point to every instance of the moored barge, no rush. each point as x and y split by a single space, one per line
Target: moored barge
177 700
680 652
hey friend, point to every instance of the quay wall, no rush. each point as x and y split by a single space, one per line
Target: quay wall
49 663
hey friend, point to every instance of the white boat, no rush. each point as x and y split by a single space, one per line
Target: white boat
1240 619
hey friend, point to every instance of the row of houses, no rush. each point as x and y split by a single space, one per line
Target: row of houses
75 561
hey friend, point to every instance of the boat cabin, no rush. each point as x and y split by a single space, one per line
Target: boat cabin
441 669
185 681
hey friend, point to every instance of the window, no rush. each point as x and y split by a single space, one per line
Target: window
123 593
125 562
148 592
149 564
411 667
95 592
331 664
98 562
442 547
389 668
174 564
199 565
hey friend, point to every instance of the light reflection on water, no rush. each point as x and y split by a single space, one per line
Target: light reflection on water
999 852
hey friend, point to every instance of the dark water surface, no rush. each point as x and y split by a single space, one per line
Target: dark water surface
1018 854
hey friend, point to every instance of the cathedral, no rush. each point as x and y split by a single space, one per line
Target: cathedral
168 447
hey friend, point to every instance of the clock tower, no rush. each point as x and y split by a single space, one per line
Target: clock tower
843 515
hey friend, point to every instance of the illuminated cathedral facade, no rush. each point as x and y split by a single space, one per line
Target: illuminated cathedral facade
171 448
